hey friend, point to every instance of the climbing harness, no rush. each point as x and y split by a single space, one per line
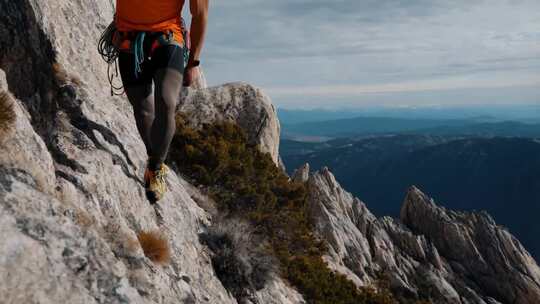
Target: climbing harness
138 49
112 40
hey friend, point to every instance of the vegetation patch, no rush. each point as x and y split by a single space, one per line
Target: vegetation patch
240 258
155 246
246 184
7 114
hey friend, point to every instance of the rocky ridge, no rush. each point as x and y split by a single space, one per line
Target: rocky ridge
430 253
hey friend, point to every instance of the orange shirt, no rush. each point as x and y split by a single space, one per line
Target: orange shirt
150 15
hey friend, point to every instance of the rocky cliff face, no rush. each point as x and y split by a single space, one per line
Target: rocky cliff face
71 196
72 201
431 253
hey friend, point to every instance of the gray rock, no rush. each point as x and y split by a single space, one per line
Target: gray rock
487 254
301 174
433 253
71 195
278 292
240 102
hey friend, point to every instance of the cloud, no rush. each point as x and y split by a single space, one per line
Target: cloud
495 80
372 43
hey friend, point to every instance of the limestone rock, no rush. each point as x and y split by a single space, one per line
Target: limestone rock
301 174
71 194
487 254
432 253
240 102
277 292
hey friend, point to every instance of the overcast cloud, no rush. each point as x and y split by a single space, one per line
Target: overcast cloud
354 53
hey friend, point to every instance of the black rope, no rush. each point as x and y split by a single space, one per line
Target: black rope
109 52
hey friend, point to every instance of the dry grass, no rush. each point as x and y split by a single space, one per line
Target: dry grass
83 219
62 76
60 73
7 114
155 246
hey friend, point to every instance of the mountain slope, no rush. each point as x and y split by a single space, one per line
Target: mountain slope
76 227
500 175
432 253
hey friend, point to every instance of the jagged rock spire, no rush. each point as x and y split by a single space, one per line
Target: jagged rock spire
446 256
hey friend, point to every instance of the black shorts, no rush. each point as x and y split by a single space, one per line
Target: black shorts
166 56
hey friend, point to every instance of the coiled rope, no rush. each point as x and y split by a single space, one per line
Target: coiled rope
109 52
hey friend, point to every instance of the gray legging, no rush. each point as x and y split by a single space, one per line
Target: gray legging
155 112
154 109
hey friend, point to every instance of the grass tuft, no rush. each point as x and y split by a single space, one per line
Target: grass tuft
7 114
155 246
63 77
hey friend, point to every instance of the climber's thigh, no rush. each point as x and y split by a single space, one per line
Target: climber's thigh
138 87
126 64
168 66
168 83
168 57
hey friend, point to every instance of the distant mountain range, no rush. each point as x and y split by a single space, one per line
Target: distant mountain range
500 175
480 113
362 126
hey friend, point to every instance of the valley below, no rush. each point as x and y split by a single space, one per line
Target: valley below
467 165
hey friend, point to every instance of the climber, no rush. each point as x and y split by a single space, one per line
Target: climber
150 35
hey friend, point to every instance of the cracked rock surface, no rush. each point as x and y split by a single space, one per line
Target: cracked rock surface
430 253
71 195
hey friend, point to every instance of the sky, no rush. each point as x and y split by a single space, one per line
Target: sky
392 53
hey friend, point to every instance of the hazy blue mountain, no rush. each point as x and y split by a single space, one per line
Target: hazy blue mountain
367 125
362 126
478 113
505 128
500 175
301 116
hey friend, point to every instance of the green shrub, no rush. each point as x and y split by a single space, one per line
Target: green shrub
246 184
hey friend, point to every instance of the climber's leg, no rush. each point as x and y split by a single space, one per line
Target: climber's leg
139 93
168 76
142 100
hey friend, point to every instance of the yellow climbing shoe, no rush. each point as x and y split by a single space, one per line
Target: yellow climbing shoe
154 182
